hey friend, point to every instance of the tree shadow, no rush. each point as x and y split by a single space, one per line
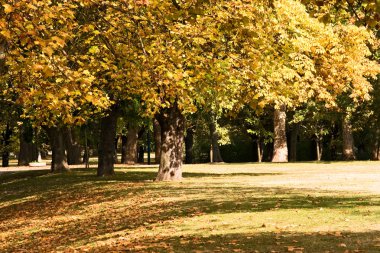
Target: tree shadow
254 242
132 203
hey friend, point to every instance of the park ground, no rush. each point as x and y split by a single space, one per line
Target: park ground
295 207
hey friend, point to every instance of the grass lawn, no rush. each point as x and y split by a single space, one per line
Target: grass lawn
299 207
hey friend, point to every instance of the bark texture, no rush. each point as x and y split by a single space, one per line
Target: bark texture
59 159
215 156
106 148
131 145
73 148
280 148
28 150
348 139
157 140
189 143
172 137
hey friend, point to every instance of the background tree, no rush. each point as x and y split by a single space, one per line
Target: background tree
43 67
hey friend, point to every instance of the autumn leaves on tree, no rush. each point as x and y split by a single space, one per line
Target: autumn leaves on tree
68 61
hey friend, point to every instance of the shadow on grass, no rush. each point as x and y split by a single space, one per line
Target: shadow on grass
44 182
259 242
126 202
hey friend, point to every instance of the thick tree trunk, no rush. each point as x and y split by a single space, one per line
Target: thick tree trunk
157 140
59 159
6 142
107 143
28 150
293 143
28 153
131 145
215 156
172 124
348 140
280 148
73 147
189 143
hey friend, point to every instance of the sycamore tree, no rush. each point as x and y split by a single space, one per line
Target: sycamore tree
159 53
361 13
70 60
307 59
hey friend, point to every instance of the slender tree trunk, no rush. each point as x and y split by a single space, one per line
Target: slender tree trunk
59 159
280 148
157 140
131 145
319 149
215 156
115 158
106 148
28 150
124 149
348 139
293 143
259 151
189 143
172 124
73 147
6 142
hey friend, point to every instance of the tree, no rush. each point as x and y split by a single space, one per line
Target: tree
310 60
46 69
315 121
361 13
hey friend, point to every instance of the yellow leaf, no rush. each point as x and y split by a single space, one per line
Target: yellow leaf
6 34
48 50
7 8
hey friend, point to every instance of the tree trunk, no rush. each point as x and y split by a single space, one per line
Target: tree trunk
172 124
157 140
280 148
189 143
319 148
259 151
28 150
106 148
131 145
6 142
115 158
124 149
59 159
293 143
375 147
215 156
73 147
348 139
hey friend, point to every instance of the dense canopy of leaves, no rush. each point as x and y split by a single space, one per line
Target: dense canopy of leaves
69 60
